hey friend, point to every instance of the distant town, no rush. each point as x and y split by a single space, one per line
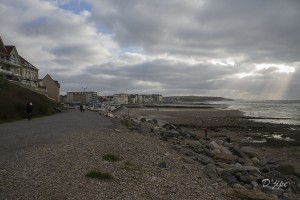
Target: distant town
91 98
16 69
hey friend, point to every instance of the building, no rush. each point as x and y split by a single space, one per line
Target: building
52 87
120 99
87 97
15 68
150 98
157 98
133 98
137 98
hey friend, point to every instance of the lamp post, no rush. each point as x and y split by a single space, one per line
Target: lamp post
83 95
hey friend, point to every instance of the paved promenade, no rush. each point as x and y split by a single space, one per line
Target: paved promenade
23 135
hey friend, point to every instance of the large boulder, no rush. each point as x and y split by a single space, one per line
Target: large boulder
203 159
221 153
192 135
134 124
169 126
142 119
146 128
194 145
229 178
153 121
244 177
238 167
244 158
252 170
158 130
250 152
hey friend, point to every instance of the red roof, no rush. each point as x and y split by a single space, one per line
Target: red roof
7 49
2 47
25 63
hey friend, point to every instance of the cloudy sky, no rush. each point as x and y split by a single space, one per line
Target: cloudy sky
233 48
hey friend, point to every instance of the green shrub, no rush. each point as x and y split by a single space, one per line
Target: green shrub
13 99
111 157
99 175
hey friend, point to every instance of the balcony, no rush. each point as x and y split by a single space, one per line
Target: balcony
6 72
7 61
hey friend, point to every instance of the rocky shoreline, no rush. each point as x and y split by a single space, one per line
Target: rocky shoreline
251 170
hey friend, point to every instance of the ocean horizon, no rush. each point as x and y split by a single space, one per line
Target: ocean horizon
270 111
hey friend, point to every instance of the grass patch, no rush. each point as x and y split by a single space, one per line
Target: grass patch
127 163
99 175
13 99
111 157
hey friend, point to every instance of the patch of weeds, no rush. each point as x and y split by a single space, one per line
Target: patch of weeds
99 175
111 157
127 163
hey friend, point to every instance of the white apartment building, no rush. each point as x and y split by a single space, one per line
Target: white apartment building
86 97
120 99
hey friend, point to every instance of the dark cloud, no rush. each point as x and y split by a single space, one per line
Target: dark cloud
207 47
257 29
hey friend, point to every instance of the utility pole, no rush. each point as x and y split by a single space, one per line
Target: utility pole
84 96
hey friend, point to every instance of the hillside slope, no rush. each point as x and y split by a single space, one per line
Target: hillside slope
13 99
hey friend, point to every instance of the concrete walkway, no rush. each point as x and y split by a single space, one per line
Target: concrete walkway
25 134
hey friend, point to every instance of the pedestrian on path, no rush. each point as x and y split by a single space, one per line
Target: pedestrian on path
29 109
83 107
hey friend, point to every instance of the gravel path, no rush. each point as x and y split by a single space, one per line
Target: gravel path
47 158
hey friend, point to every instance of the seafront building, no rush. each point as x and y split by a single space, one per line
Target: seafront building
137 98
120 99
86 97
51 86
16 69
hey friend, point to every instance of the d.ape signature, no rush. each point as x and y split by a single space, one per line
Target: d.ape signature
274 184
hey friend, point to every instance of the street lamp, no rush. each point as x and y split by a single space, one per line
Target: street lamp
83 95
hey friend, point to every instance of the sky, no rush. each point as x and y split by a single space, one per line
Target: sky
238 49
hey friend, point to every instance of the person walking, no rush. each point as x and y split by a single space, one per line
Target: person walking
29 109
83 107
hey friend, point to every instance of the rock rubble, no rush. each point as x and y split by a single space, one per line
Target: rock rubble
240 167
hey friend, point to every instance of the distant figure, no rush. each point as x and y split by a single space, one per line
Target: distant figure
205 132
81 108
29 108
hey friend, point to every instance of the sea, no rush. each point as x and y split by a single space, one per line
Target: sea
273 111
